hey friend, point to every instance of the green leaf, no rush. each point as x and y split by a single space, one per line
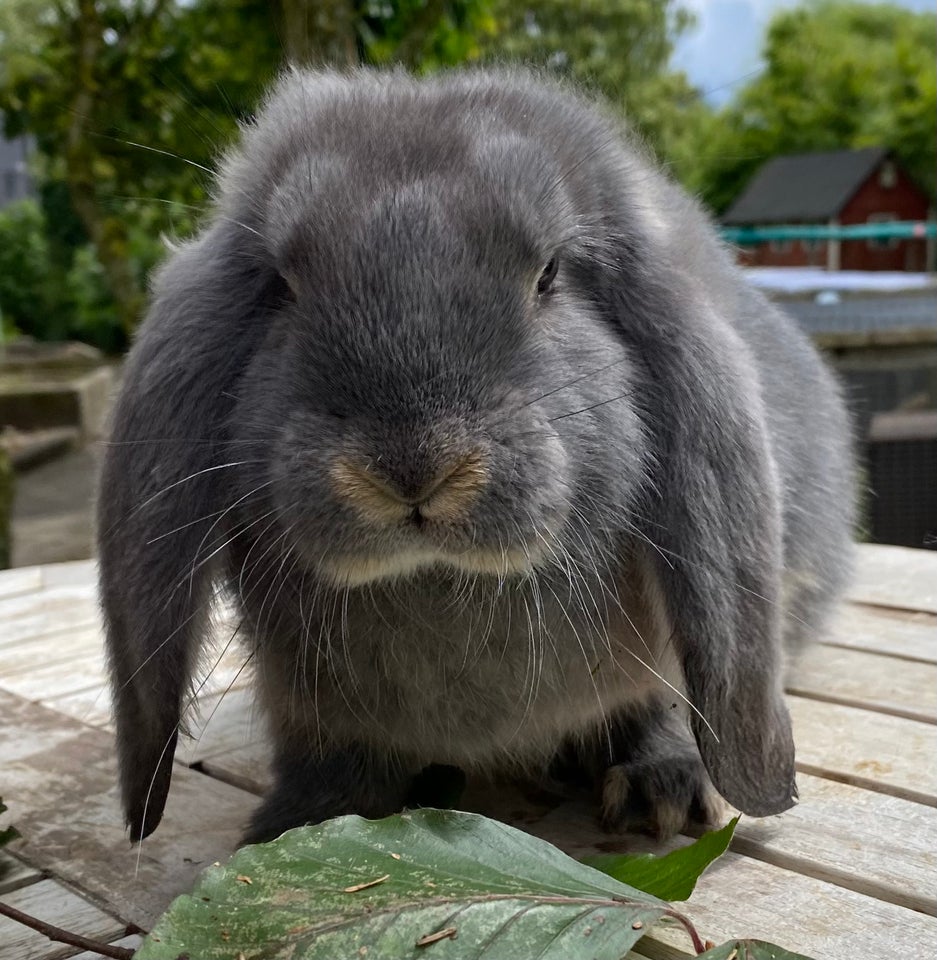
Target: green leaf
672 876
428 884
749 950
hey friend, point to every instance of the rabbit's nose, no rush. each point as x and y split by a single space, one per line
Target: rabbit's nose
446 497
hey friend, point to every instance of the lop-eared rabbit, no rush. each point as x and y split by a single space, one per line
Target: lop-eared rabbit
500 459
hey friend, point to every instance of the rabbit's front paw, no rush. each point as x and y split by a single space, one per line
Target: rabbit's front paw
660 793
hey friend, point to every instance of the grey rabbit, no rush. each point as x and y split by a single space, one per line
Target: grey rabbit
502 461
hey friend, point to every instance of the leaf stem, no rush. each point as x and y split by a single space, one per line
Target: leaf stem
698 944
58 935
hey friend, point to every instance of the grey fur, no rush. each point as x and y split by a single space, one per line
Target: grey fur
663 445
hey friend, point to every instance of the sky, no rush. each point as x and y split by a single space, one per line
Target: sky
722 51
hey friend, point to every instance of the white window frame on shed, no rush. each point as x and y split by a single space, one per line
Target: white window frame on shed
888 175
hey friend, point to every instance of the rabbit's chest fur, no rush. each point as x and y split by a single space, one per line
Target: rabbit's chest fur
474 677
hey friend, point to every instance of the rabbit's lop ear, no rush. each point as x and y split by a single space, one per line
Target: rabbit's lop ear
712 510
161 491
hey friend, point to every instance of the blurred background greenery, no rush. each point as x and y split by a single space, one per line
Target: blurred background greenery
128 103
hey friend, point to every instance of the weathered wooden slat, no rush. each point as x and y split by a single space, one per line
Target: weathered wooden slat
47 612
70 573
227 721
744 897
18 581
39 738
875 844
911 635
80 683
868 680
61 788
845 743
50 901
60 648
740 897
244 767
892 755
52 680
896 577
91 705
248 770
14 873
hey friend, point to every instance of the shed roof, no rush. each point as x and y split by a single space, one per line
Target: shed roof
804 187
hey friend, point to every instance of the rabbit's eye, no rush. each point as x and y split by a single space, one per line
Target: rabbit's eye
548 276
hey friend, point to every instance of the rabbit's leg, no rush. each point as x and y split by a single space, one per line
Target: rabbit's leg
309 789
657 780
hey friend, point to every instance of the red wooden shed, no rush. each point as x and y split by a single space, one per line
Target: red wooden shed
836 187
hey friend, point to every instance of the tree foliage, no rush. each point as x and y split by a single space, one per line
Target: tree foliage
130 102
24 263
419 34
618 48
838 74
115 93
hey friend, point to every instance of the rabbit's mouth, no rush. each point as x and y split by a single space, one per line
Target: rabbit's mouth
350 570
439 520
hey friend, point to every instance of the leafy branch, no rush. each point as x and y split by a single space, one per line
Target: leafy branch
414 883
409 885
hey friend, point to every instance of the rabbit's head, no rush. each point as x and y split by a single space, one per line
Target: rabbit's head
435 387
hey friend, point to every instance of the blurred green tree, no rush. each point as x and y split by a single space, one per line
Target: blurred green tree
115 93
24 265
838 74
419 34
618 48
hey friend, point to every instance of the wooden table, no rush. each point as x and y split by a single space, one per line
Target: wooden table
849 873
